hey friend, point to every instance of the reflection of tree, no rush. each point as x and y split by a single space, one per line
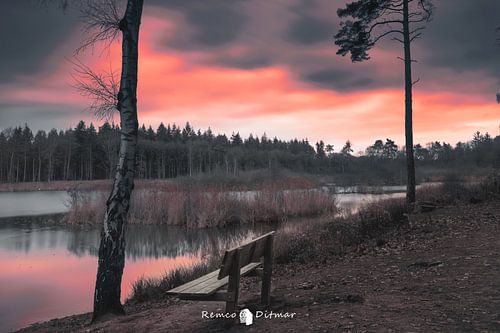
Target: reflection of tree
143 241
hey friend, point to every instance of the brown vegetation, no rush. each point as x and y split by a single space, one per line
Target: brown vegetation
329 238
197 205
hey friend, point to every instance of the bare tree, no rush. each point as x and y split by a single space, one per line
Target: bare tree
103 25
101 88
374 20
112 246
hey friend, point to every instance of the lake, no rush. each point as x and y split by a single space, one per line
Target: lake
48 270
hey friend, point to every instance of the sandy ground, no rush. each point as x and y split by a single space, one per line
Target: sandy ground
438 274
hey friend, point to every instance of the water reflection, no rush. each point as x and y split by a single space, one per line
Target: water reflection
33 203
143 241
49 271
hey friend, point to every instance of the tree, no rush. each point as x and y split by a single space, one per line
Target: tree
320 149
347 149
374 20
376 150
390 150
102 19
112 245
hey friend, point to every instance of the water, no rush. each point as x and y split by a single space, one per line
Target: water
33 203
49 270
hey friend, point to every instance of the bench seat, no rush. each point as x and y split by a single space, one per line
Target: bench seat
208 284
254 257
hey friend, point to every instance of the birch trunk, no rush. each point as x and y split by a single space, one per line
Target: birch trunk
410 163
112 246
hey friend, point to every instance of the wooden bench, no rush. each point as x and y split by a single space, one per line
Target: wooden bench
237 262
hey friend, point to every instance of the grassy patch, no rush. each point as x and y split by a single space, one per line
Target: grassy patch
146 289
335 236
342 234
199 206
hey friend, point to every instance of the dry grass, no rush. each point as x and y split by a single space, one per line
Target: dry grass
328 237
198 206
343 233
146 289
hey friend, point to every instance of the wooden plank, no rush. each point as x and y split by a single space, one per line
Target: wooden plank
225 266
219 296
246 253
256 239
211 286
193 283
265 295
260 247
250 252
233 286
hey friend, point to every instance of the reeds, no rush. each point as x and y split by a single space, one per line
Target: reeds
197 206
327 237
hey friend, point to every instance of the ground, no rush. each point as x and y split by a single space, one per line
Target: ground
440 273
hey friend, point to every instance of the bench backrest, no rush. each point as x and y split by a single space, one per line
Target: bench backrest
249 252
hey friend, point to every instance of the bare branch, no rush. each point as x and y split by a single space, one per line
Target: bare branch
402 59
416 30
101 22
398 40
376 24
102 89
375 40
415 37
427 7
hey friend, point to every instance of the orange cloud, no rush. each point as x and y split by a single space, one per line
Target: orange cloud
176 87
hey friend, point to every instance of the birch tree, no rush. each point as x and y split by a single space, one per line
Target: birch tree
104 25
112 246
368 21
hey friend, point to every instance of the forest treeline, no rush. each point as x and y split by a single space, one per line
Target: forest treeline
87 153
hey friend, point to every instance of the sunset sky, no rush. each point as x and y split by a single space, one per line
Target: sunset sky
258 66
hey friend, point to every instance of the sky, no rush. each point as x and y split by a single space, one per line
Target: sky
260 66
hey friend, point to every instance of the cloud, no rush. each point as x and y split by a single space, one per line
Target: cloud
463 37
264 66
309 30
341 80
30 33
209 23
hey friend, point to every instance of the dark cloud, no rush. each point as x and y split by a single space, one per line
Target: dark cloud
339 79
296 35
40 116
250 61
29 34
308 30
463 36
215 27
214 23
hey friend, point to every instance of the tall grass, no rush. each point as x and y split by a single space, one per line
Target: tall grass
370 222
312 242
153 288
198 206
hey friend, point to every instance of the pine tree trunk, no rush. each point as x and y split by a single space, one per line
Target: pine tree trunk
69 162
24 167
112 246
11 174
32 168
39 165
410 163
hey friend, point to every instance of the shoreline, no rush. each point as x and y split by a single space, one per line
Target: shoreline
397 256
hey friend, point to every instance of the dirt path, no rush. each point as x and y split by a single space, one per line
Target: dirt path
440 274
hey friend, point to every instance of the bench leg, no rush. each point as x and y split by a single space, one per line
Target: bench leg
233 286
265 296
